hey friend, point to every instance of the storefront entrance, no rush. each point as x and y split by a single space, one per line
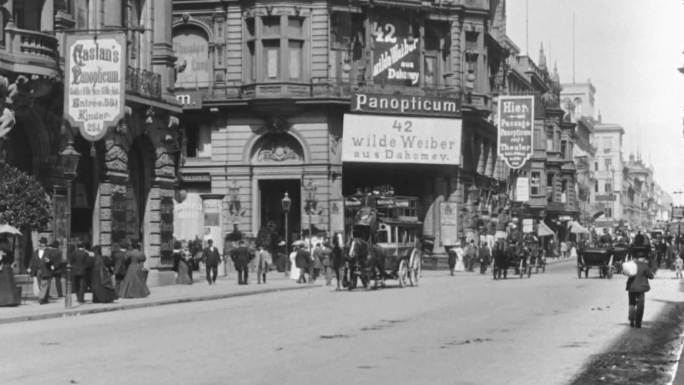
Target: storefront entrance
271 193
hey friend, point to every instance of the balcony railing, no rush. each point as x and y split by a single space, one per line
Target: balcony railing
31 51
322 87
143 83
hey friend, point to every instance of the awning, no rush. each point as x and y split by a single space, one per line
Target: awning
576 228
543 230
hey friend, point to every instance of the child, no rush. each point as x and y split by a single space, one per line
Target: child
678 267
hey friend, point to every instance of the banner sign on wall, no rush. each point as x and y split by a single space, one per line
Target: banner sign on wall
363 102
95 82
516 128
396 57
448 215
391 139
522 189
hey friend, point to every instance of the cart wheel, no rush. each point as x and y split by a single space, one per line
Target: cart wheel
402 273
414 268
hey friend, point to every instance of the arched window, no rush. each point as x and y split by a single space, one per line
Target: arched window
191 47
578 106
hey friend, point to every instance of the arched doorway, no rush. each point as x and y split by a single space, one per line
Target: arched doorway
140 178
278 160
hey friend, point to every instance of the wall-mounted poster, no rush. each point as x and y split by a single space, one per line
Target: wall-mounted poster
192 50
448 214
396 54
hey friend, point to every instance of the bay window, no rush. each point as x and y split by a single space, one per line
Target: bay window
275 48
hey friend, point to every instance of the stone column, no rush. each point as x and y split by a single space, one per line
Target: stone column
163 57
113 16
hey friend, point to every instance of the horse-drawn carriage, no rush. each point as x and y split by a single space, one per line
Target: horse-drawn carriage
607 259
383 233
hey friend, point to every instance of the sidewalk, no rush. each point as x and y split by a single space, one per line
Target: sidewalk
225 287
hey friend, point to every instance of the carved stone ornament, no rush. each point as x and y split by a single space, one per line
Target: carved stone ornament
116 158
164 165
118 189
277 153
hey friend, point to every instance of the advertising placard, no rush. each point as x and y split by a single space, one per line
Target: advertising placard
522 189
396 57
448 214
387 139
528 225
516 129
95 82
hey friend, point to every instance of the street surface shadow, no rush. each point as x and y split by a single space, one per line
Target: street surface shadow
383 324
333 336
642 356
450 344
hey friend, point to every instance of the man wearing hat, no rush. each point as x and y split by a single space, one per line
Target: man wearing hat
59 267
41 269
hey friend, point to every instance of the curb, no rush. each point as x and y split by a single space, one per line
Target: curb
171 301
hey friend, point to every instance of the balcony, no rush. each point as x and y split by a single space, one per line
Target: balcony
27 51
318 88
143 83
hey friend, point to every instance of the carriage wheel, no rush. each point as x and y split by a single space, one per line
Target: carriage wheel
402 273
416 272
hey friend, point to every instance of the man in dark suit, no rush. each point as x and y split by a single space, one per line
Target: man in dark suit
79 266
119 258
241 257
55 255
211 258
41 268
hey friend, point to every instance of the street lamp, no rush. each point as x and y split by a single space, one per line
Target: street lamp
310 207
69 161
286 204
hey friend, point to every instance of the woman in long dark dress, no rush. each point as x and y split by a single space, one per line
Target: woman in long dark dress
181 264
101 278
9 295
133 284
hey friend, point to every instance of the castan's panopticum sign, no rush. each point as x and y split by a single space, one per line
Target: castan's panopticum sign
362 102
94 85
516 128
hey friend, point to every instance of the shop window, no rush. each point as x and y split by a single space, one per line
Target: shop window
275 49
535 183
198 141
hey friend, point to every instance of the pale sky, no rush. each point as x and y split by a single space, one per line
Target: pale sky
631 51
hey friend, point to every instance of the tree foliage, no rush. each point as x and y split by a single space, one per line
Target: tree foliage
23 201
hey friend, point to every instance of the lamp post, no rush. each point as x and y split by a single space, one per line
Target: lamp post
286 204
310 207
69 162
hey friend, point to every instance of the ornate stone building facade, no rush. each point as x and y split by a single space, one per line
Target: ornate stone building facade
266 87
124 183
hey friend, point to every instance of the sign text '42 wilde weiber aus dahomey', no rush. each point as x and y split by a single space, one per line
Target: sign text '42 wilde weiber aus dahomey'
516 129
94 84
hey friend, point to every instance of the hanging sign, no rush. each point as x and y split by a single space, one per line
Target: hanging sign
396 57
522 189
94 84
516 128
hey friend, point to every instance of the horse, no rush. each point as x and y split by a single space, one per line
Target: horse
367 262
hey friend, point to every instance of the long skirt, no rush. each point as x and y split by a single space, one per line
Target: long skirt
184 273
9 294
